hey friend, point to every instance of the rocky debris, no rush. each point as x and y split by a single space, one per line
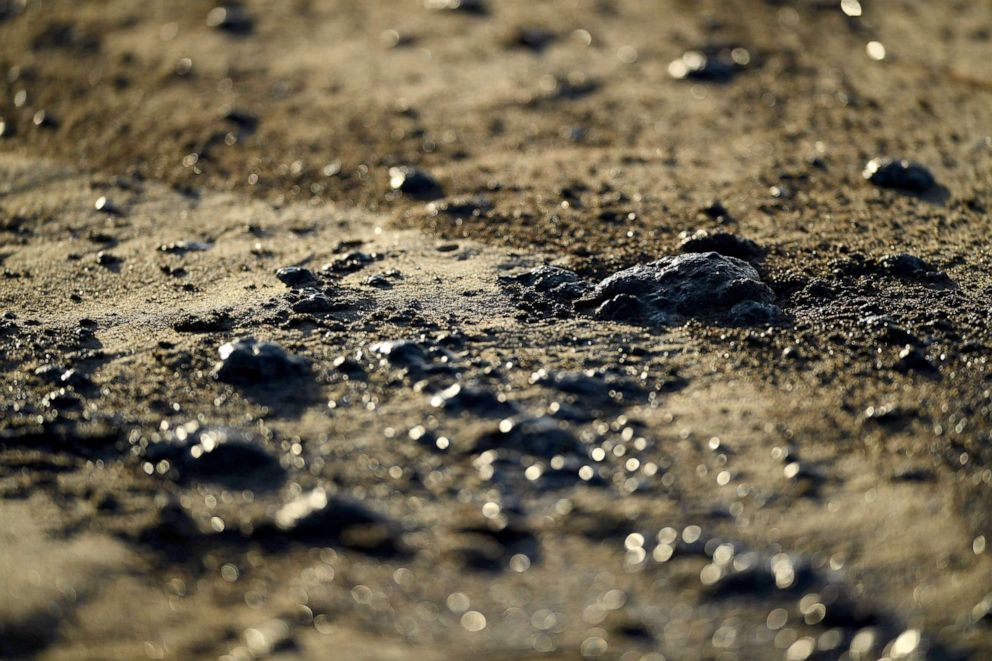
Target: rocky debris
912 359
717 212
313 301
248 362
478 7
556 282
470 206
693 285
723 243
183 247
108 260
414 182
535 436
212 321
416 358
233 19
296 276
350 262
476 399
907 266
534 39
106 205
214 455
493 541
320 518
899 175
590 387
546 290
711 64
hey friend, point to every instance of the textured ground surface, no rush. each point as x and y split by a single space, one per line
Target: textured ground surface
479 456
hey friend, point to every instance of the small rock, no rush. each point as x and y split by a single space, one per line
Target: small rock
723 243
105 205
314 302
296 276
249 362
468 6
533 39
899 175
317 517
414 182
539 437
107 259
912 359
461 207
230 18
217 455
711 64
211 321
684 286
472 399
183 247
353 261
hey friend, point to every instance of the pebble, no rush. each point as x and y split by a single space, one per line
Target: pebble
561 284
296 276
349 263
216 455
105 205
249 362
468 6
210 321
710 64
909 266
317 517
230 18
723 243
899 175
471 206
183 247
471 399
314 301
107 259
693 285
540 436
414 182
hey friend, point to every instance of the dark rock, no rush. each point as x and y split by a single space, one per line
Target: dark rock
561 284
711 64
912 359
909 266
468 6
207 322
539 437
107 259
317 517
314 301
899 174
534 39
418 359
699 285
217 455
472 399
230 18
183 247
353 261
723 243
461 207
414 182
717 211
107 206
296 276
249 362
